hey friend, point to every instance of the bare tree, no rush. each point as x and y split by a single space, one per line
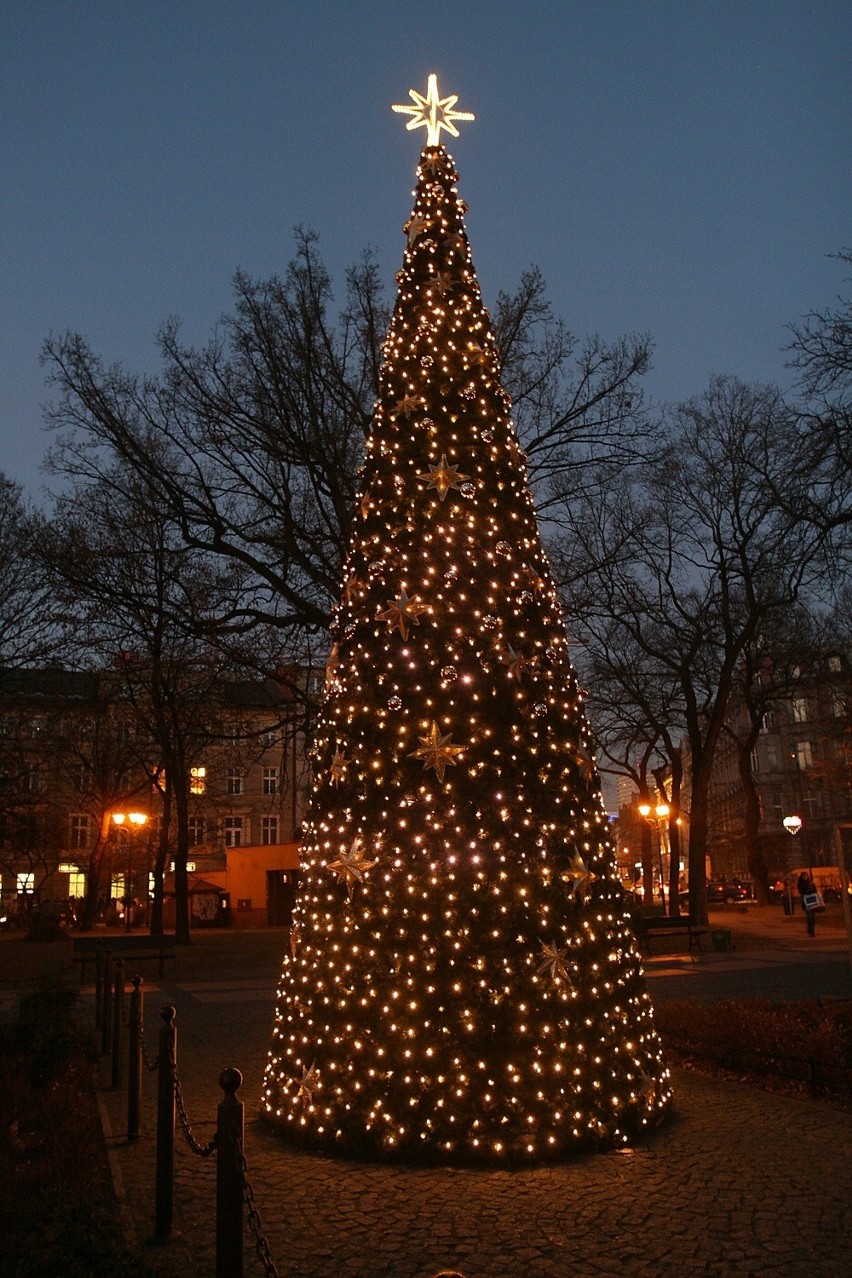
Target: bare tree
30 630
686 560
250 446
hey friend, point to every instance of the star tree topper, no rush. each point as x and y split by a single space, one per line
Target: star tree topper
433 113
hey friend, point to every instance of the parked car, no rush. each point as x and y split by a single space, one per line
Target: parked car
727 891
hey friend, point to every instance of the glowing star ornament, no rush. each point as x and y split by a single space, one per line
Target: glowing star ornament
406 406
553 963
308 1084
580 877
350 866
437 751
403 610
337 770
444 477
433 112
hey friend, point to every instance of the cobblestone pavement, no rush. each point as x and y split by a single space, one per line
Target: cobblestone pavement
741 1183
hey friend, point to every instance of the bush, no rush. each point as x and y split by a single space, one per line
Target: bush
807 1041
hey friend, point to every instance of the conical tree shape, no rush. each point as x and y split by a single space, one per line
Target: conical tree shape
462 983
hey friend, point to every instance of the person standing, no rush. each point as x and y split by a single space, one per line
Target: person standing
807 891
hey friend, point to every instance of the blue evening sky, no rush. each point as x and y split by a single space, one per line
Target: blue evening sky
673 166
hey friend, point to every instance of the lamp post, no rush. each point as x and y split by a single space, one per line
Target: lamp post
134 821
792 824
661 813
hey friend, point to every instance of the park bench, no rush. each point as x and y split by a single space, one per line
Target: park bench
662 926
125 947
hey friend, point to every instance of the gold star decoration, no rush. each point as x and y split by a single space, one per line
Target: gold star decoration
338 766
333 665
351 588
580 877
350 866
308 1083
444 477
434 165
647 1088
436 751
442 282
586 764
416 227
516 662
553 963
534 581
365 505
403 610
432 113
456 243
406 406
477 354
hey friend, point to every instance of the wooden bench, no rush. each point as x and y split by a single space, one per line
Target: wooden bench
126 946
668 927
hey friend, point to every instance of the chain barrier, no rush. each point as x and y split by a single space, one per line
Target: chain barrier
261 1244
203 1151
152 1065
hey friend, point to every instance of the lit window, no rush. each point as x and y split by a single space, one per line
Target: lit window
25 883
767 723
800 710
804 754
235 781
270 780
197 780
269 829
233 831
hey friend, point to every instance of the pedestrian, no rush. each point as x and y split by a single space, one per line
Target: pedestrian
808 893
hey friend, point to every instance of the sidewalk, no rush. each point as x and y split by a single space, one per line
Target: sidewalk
741 1183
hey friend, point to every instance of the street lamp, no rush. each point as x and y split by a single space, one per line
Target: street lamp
135 821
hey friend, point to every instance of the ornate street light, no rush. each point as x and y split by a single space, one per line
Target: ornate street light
136 821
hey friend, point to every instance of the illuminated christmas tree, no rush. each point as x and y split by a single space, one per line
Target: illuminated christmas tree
462 982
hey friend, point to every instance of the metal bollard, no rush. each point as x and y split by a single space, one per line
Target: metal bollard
229 1180
99 988
106 1005
134 1062
164 1192
118 1025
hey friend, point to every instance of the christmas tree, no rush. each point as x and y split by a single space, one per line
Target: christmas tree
462 982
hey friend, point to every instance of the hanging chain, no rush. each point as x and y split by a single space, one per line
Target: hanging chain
151 1065
203 1151
261 1245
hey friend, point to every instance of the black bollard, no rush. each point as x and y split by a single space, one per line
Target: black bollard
229 1178
164 1192
99 987
106 1004
118 1025
134 1062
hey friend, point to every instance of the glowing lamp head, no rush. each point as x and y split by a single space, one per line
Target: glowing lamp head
792 824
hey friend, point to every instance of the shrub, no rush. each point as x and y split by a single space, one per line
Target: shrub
808 1041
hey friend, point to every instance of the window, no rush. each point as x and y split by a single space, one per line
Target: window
804 754
233 831
25 883
235 733
800 710
197 780
235 781
835 663
32 779
269 829
79 831
838 704
76 879
83 779
270 780
755 763
771 752
271 737
767 723
196 830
